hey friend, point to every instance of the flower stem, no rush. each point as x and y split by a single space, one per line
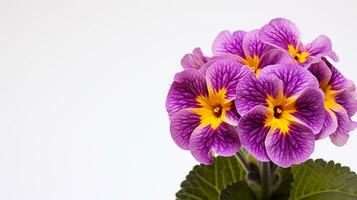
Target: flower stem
265 172
261 177
243 161
274 168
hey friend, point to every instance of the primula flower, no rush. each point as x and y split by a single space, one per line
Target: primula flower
248 49
194 60
202 112
282 110
197 60
282 33
340 102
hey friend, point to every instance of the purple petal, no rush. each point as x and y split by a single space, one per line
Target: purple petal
214 59
232 116
340 137
275 56
194 60
329 126
187 85
226 74
280 33
252 91
338 81
320 45
226 43
322 73
319 57
182 125
252 131
309 108
206 141
347 99
295 78
293 147
206 66
253 46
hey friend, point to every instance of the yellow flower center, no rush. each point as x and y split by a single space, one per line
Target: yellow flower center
281 115
277 112
330 102
213 108
217 111
252 63
300 57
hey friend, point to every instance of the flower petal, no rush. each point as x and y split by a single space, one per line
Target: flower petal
206 141
295 78
293 147
182 125
280 33
227 43
275 56
347 99
253 46
329 126
338 81
187 85
252 131
194 60
322 72
214 59
309 108
226 74
322 44
340 137
330 54
232 116
252 91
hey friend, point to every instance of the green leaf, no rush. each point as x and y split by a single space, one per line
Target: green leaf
205 182
319 180
237 191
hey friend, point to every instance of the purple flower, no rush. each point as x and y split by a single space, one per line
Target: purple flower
282 110
194 60
248 49
340 102
202 111
282 33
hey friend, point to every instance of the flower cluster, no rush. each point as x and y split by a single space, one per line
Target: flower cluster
263 90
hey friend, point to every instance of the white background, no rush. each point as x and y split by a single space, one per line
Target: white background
83 85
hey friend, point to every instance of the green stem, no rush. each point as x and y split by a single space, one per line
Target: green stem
273 168
265 180
243 161
260 177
